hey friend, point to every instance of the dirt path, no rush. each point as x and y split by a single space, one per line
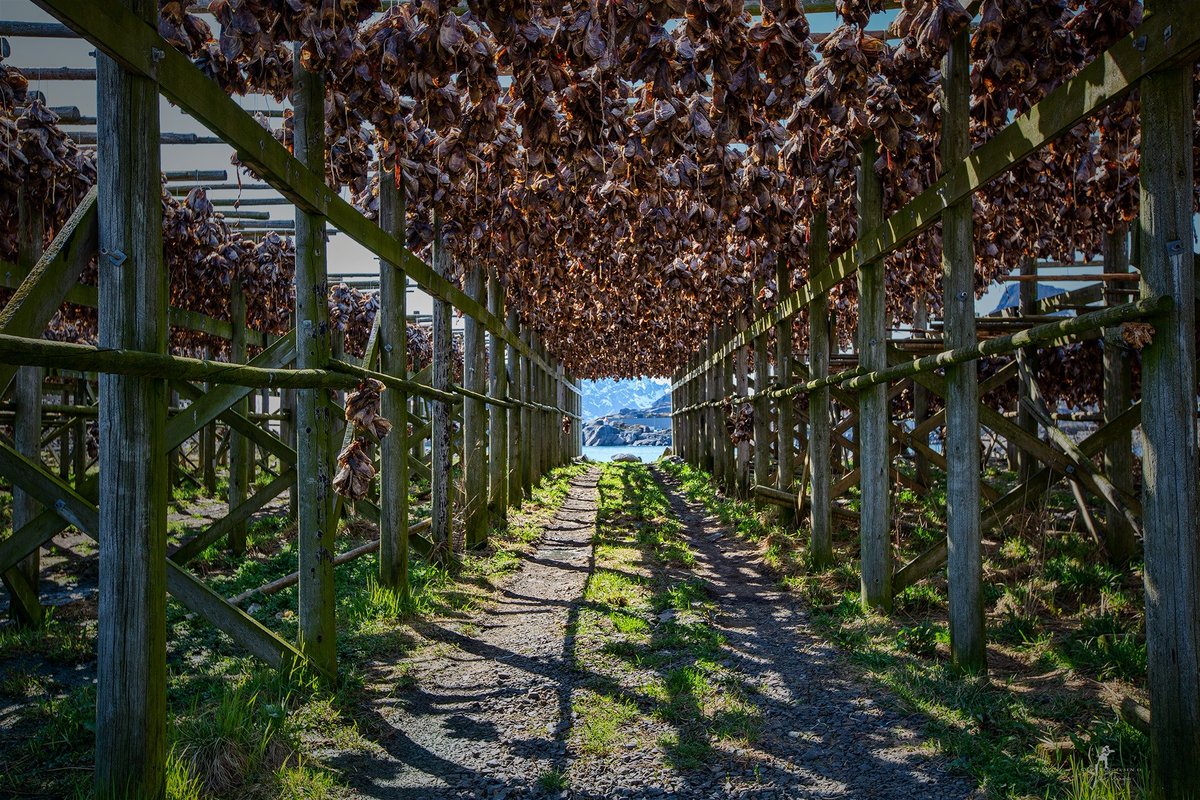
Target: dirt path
485 710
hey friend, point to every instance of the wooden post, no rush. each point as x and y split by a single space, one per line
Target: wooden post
560 435
1119 536
497 415
239 452
762 410
1027 367
475 417
441 430
921 394
785 445
393 360
24 605
968 645
515 418
208 448
79 452
724 389
131 652
528 392
741 376
819 437
1172 572
315 525
874 455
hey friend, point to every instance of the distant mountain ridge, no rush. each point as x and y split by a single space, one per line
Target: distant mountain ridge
609 396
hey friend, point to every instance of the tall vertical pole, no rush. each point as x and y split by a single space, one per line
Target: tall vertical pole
1119 537
528 392
741 377
820 436
1172 571
131 647
498 415
239 453
560 435
964 563
314 457
441 432
873 445
785 446
475 517
762 409
25 606
516 388
1027 367
920 393
393 360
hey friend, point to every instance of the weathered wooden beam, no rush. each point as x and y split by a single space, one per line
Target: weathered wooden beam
442 513
132 519
785 418
968 641
239 454
393 360
1120 540
315 524
875 530
235 519
515 417
1169 463
475 511
25 607
819 442
498 422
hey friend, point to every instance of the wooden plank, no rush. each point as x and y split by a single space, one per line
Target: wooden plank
1027 368
515 418
819 443
239 453
1159 41
785 445
1169 463
315 524
968 641
131 618
393 360
528 392
25 607
498 432
475 510
441 417
875 531
1120 540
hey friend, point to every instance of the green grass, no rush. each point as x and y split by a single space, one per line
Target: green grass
552 780
237 728
1055 607
646 639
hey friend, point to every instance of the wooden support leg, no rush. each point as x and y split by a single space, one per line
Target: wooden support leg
314 460
440 478
921 394
1027 366
393 360
515 417
819 411
785 446
742 389
528 391
475 511
1172 571
762 411
131 639
1120 540
497 415
876 530
239 448
968 645
25 606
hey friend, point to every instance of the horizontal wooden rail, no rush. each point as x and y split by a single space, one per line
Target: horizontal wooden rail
1160 41
120 34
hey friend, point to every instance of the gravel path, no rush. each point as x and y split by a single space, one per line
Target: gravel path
485 707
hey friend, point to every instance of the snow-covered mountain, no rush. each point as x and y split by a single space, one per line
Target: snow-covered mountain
607 396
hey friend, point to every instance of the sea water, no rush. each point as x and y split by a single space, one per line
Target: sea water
646 454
